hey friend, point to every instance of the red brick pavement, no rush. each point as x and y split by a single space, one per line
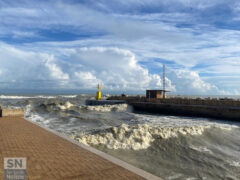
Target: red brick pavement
52 157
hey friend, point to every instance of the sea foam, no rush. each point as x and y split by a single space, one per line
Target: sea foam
66 106
36 97
99 108
107 108
136 137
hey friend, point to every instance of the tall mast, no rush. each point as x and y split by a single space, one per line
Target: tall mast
164 81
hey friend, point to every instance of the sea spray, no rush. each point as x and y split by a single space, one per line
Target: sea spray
136 137
107 108
99 108
66 106
168 146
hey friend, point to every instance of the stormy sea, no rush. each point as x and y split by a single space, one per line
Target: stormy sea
171 147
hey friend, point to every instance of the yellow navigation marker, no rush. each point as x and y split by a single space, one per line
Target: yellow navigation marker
98 95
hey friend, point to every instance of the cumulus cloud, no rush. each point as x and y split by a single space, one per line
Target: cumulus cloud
108 44
24 69
116 69
82 68
55 71
189 82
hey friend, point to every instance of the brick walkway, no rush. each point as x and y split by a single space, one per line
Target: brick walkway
51 157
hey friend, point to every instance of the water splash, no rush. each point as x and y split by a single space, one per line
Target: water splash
136 137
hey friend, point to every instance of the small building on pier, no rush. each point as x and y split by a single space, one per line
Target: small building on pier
155 94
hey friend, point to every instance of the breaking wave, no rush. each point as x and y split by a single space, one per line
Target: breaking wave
58 105
36 97
69 116
65 106
136 137
201 149
107 108
235 163
172 147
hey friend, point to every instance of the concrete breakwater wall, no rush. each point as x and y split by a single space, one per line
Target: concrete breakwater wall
103 102
219 112
12 112
182 101
220 108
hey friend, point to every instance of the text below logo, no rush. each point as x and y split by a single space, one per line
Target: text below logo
15 168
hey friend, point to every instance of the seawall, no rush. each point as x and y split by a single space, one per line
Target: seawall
227 113
103 102
11 112
227 109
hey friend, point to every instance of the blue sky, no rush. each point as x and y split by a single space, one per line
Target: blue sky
122 44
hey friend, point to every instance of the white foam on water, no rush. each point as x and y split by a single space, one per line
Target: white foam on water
26 97
35 97
235 163
178 121
10 106
68 96
98 108
176 176
193 178
34 116
107 108
136 137
201 149
226 128
44 97
14 97
31 116
66 106
27 110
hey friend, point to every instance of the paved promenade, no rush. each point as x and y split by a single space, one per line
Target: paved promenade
52 157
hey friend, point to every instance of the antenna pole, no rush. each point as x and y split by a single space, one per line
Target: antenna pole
164 81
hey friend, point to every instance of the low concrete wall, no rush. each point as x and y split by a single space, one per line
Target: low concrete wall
103 102
12 112
227 113
182 101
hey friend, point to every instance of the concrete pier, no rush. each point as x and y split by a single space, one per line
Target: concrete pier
104 102
52 156
226 109
218 112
